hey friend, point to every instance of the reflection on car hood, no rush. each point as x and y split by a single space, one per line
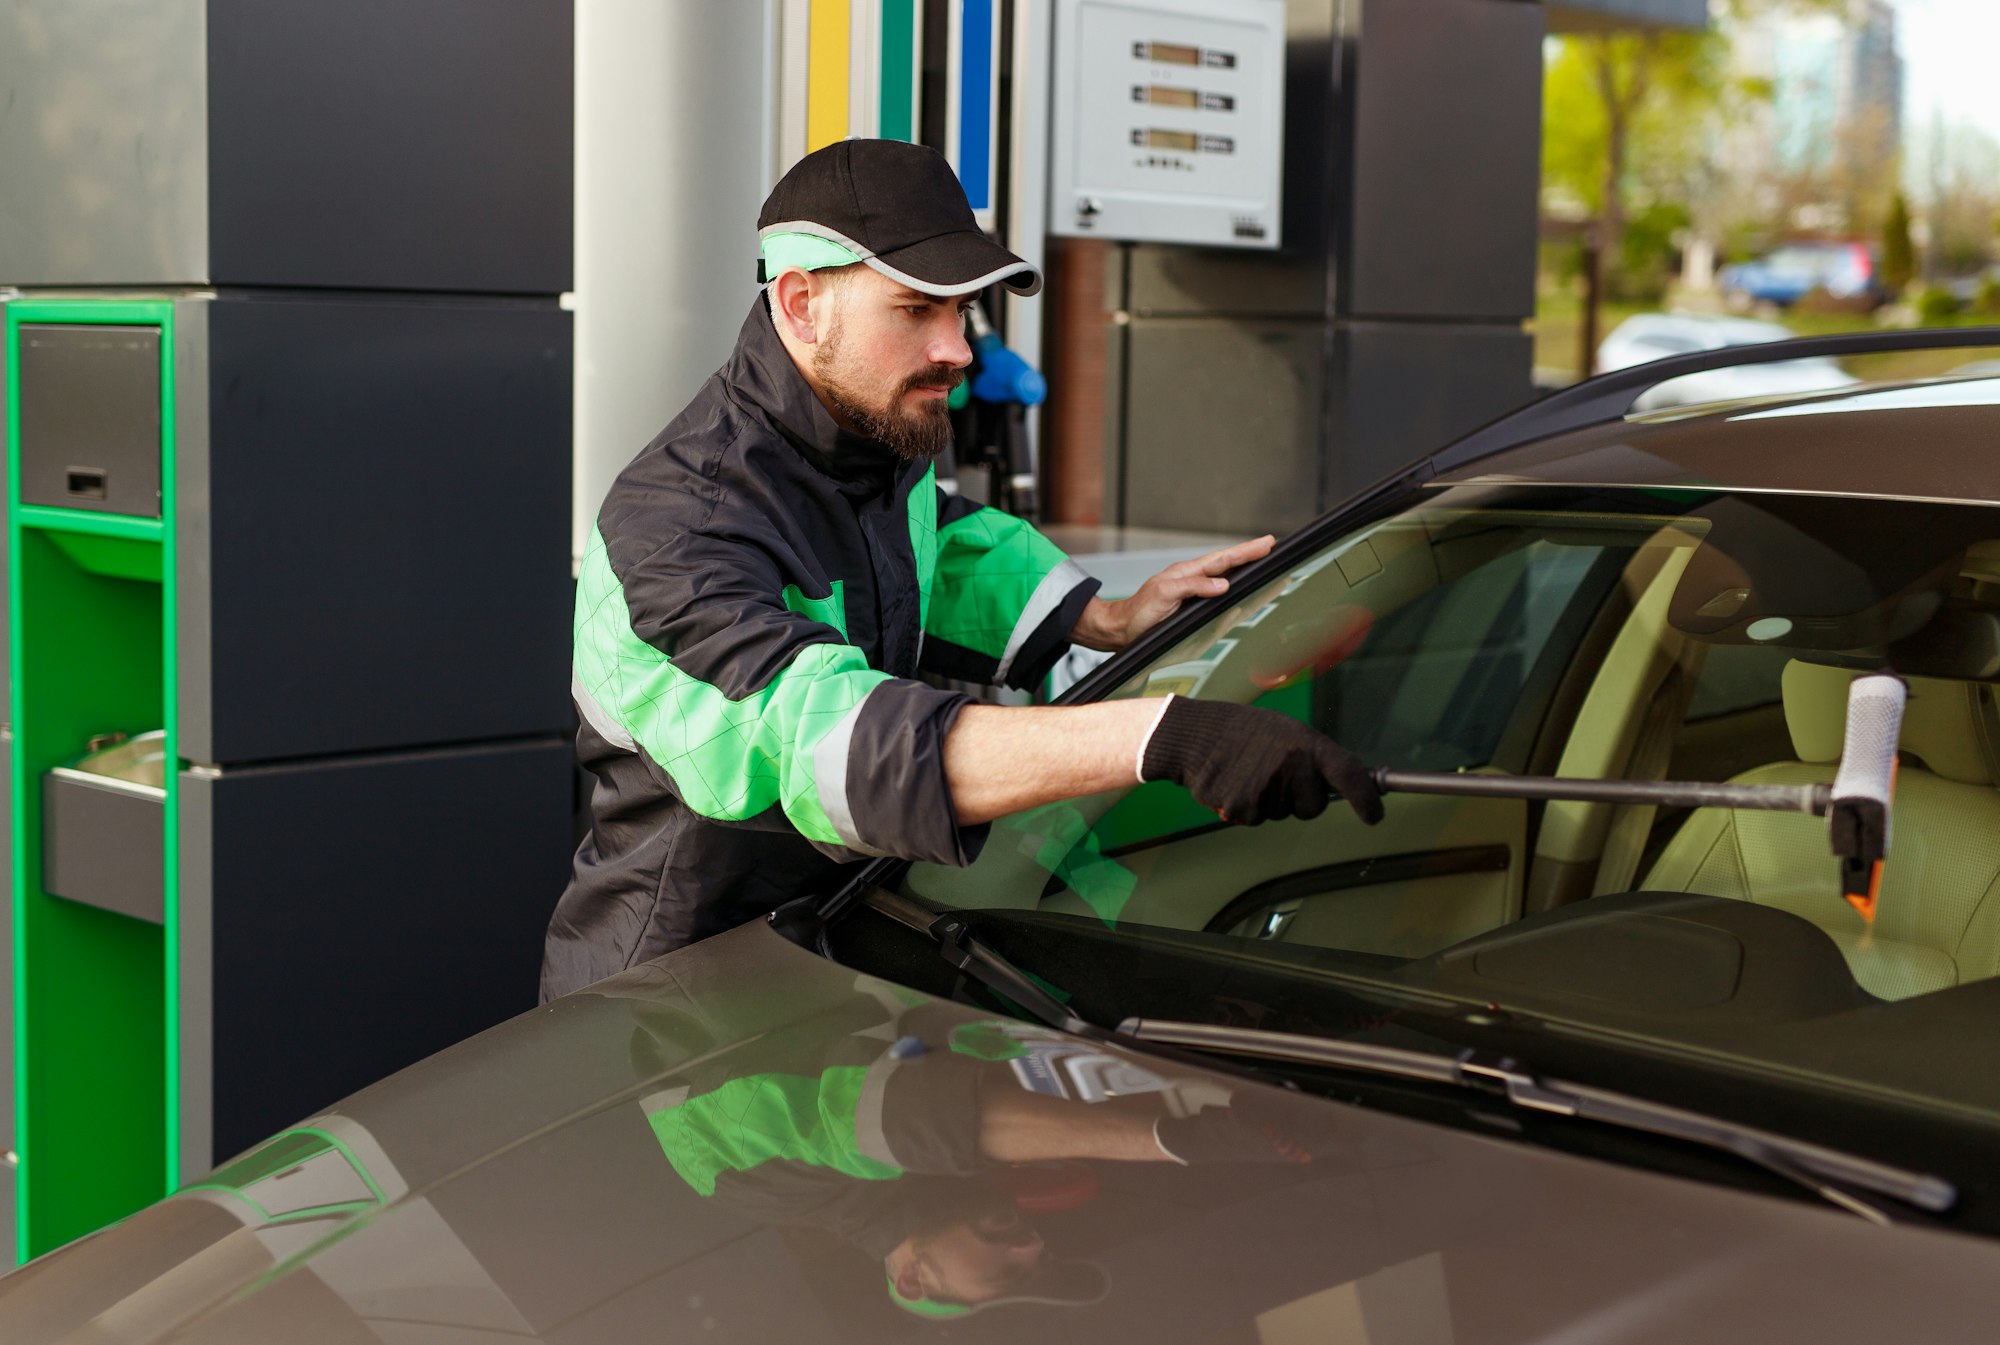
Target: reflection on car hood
733 1144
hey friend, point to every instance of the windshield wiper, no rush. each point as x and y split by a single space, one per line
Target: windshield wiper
1827 1172
958 946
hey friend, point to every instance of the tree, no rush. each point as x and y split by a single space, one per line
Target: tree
1631 120
1622 111
1899 252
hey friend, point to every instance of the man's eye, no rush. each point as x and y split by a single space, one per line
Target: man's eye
917 310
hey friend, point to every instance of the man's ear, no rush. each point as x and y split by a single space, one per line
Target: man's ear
791 303
908 1283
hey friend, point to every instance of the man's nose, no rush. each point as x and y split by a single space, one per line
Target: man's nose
951 347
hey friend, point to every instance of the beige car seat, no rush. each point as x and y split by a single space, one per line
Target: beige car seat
1938 921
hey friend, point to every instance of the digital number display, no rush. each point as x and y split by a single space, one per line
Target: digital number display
1168 53
1159 95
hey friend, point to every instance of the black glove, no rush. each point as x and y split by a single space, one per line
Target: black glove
1252 765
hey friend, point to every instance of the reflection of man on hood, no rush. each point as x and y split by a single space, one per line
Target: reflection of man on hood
893 1138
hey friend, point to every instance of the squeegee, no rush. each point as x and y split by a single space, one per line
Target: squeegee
1856 805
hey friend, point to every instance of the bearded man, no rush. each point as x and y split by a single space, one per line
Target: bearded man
769 576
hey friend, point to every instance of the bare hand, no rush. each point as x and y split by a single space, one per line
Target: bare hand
1113 625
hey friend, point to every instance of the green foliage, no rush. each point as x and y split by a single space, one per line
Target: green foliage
1988 302
1899 253
1936 306
1626 121
1650 255
1960 255
1642 97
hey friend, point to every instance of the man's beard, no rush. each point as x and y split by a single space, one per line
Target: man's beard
916 435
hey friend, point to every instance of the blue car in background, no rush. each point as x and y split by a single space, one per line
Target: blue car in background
1787 274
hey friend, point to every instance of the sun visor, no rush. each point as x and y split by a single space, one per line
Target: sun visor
1850 577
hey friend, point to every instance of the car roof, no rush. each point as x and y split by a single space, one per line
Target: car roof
1936 439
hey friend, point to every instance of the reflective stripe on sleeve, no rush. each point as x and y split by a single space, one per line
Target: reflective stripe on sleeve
829 760
598 717
1048 595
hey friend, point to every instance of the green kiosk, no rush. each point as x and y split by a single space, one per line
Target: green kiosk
286 393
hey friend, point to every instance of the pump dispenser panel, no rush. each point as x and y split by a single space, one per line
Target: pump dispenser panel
1168 122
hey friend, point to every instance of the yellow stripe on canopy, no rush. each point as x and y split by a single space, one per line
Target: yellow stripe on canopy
827 73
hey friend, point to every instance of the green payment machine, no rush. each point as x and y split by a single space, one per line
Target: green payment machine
285 380
90 640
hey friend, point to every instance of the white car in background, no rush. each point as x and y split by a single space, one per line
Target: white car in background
1651 336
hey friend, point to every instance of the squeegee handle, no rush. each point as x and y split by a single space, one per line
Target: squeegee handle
1859 821
1874 724
1812 799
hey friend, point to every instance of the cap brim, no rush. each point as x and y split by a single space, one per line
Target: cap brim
957 263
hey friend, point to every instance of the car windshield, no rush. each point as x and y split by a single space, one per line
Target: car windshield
1659 634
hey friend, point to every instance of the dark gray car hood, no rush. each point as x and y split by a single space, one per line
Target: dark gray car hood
517 1187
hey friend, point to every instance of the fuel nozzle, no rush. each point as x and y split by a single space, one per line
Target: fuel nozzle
1858 816
1003 377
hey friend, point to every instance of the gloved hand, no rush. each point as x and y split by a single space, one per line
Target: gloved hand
1252 765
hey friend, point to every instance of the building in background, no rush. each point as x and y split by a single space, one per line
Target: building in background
1837 90
1824 148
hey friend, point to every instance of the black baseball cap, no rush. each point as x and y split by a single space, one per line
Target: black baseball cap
896 206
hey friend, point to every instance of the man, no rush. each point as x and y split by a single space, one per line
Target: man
767 578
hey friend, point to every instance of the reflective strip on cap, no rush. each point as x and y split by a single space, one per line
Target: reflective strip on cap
808 229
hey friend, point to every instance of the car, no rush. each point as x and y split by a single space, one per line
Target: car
1583 1042
1787 274
1644 337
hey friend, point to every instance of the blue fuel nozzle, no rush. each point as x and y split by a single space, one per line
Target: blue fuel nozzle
1005 377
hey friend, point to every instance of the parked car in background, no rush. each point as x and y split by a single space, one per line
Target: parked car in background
1500 1070
1645 337
1844 271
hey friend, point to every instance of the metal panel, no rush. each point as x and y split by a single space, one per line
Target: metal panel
194 688
383 144
105 139
104 845
1406 389
90 417
193 949
1168 281
388 488
370 911
1444 106
1222 424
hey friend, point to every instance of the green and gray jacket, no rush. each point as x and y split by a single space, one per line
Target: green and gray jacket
759 593
844 1133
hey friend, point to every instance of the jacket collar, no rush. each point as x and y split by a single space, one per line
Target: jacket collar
760 369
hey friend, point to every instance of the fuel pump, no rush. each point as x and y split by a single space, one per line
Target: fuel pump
989 418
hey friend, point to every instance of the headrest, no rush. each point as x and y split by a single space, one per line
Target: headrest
1945 725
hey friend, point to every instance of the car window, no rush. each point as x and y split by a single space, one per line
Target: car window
1591 634
1798 261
